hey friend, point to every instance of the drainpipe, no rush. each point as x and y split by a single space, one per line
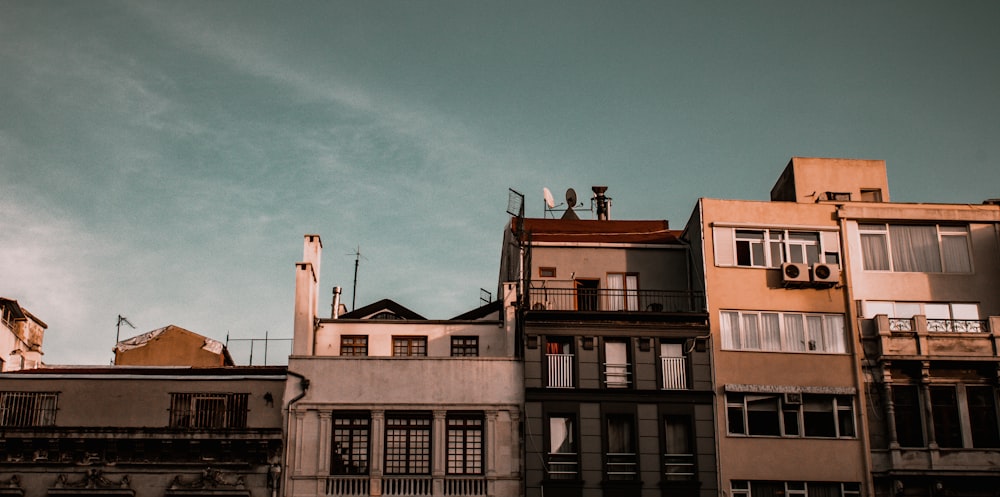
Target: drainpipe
304 384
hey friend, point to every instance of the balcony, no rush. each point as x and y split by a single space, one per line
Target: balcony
622 466
562 466
963 461
920 336
614 300
674 373
678 467
560 370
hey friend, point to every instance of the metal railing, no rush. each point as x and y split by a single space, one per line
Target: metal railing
407 486
208 410
617 375
622 465
901 324
560 370
678 466
562 466
347 486
674 373
464 486
602 299
25 409
958 325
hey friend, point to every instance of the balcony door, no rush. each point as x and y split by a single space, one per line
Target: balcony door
586 294
623 292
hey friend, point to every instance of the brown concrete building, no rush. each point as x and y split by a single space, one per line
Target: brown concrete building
21 336
141 432
172 346
789 395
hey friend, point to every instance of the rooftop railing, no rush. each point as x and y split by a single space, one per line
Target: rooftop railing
615 300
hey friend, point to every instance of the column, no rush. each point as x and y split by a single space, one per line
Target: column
491 444
298 420
439 451
925 390
377 450
890 407
323 457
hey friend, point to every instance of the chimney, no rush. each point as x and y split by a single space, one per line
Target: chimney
306 296
603 202
335 311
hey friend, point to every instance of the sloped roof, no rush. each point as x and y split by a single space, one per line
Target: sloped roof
386 305
17 312
479 312
210 345
566 230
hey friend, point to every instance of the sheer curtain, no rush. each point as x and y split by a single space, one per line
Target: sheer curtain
955 249
770 331
616 293
833 334
795 333
751 335
876 254
731 331
915 248
815 328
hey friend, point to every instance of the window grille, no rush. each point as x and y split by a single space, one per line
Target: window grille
208 410
25 409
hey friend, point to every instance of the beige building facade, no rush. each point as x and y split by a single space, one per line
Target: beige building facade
21 337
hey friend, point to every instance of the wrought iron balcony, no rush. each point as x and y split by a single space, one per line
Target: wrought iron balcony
614 300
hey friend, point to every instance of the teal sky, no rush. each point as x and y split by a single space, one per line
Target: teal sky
163 160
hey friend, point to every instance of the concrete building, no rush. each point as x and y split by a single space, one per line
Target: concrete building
381 401
789 393
141 432
172 346
21 336
617 380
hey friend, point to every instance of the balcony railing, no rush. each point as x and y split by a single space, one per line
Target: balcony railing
465 486
678 467
356 486
560 370
407 486
622 466
905 325
674 373
617 375
347 486
562 466
609 300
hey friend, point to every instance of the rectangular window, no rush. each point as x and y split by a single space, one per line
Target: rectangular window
783 332
674 366
351 438
944 406
769 248
208 410
465 444
906 401
871 194
409 346
743 488
616 364
916 248
408 444
678 456
559 362
467 346
982 416
354 345
621 462
26 409
623 292
562 456
546 272
790 415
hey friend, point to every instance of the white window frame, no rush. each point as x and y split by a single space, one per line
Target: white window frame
742 488
776 244
824 340
943 231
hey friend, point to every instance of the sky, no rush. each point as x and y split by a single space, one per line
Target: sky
163 160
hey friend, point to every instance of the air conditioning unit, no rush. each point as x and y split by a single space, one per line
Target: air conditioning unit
794 273
793 398
828 274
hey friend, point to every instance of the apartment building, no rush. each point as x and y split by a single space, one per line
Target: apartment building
78 431
923 289
617 378
21 336
382 401
789 395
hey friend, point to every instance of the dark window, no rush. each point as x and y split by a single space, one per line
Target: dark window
818 416
408 444
465 346
906 402
351 437
22 409
465 445
547 272
871 195
354 345
944 404
562 456
586 294
983 416
409 346
790 415
208 410
762 415
678 456
621 458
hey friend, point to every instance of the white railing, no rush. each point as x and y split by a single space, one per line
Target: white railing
408 486
622 465
562 466
465 486
678 466
616 375
560 371
347 486
674 373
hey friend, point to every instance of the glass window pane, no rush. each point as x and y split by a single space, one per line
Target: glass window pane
965 311
561 435
983 416
915 248
944 405
955 250
873 308
818 416
909 432
762 415
875 252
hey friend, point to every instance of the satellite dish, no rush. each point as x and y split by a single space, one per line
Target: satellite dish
571 197
549 201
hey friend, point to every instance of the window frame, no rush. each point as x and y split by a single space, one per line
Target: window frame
738 413
460 349
356 344
412 341
778 243
465 443
625 298
883 231
621 459
415 455
355 431
20 409
190 410
621 372
569 458
811 343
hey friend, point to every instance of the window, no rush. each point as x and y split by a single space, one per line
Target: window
465 444
944 406
562 448
467 346
208 410
586 294
623 292
678 456
559 362
546 272
409 346
673 365
871 194
354 345
408 444
621 462
794 489
616 364
769 248
949 418
351 438
982 416
909 433
915 248
790 415
783 332
24 409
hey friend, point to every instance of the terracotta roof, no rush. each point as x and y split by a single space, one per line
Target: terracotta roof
565 230
153 370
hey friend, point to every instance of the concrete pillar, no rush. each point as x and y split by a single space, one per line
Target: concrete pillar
325 440
377 450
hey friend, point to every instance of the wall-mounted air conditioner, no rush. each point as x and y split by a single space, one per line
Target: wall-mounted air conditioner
794 273
828 274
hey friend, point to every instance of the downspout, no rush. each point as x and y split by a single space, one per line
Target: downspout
856 344
304 384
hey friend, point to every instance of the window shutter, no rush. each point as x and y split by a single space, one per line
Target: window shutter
723 239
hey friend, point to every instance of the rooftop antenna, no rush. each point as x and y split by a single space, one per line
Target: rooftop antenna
485 296
357 260
118 330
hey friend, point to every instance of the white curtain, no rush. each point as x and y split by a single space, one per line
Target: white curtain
834 334
876 255
770 331
795 334
632 292
815 330
616 294
731 331
955 250
915 248
561 435
751 335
